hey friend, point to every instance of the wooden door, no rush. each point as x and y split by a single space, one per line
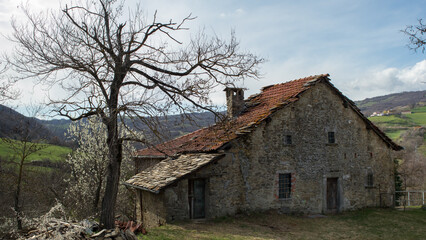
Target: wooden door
196 195
332 195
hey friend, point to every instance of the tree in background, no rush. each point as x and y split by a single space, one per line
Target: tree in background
26 142
416 34
412 169
88 164
121 67
6 86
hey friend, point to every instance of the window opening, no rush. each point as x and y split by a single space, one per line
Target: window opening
284 185
331 138
288 140
370 180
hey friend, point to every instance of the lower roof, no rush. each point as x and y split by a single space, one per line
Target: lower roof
166 172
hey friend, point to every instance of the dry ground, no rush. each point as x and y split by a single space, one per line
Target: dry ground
362 224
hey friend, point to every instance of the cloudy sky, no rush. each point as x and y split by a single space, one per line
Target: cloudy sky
358 43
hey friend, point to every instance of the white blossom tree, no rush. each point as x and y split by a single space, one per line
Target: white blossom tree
89 162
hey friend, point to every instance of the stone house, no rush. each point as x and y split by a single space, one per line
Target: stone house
299 146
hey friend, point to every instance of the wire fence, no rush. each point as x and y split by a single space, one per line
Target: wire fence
410 198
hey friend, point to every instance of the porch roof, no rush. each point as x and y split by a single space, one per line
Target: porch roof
168 171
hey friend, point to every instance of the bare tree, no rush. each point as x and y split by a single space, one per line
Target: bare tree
416 34
412 169
6 85
121 69
25 144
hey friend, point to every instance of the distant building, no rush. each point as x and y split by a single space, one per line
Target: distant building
299 146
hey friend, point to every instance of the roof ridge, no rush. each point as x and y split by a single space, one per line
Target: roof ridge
295 80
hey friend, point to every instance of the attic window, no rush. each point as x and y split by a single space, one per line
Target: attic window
284 185
331 138
288 140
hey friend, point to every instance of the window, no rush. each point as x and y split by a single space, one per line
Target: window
284 185
331 138
370 180
287 140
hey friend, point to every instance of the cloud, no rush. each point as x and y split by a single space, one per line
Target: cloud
389 80
237 13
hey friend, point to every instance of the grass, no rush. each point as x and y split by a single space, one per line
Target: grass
418 118
419 109
52 153
394 133
392 120
395 125
362 224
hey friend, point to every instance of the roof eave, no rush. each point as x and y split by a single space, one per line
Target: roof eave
141 188
150 156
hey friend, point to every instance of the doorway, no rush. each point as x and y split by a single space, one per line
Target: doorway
332 195
196 198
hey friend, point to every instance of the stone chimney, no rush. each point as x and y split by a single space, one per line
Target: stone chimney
234 101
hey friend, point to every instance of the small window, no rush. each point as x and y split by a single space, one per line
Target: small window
284 185
288 140
331 138
370 180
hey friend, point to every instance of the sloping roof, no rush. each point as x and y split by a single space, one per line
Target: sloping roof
258 108
166 172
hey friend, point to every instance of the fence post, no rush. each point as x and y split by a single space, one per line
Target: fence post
408 198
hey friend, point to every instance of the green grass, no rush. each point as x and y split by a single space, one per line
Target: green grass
418 118
419 109
395 125
394 133
362 224
52 153
392 120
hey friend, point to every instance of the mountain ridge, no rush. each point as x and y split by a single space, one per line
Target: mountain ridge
396 102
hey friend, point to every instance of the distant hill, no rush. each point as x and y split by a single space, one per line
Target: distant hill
397 102
171 126
54 130
12 121
174 125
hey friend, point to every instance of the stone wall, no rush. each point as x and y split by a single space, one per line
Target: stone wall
246 179
153 209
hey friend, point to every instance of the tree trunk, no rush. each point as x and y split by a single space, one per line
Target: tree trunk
113 175
97 196
17 206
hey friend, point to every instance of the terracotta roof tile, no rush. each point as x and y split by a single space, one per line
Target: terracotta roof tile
258 108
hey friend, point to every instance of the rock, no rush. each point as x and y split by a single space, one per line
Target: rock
130 235
98 234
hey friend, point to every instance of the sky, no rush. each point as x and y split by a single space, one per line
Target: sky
359 43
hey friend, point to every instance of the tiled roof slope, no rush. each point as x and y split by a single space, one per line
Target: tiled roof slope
258 108
166 172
